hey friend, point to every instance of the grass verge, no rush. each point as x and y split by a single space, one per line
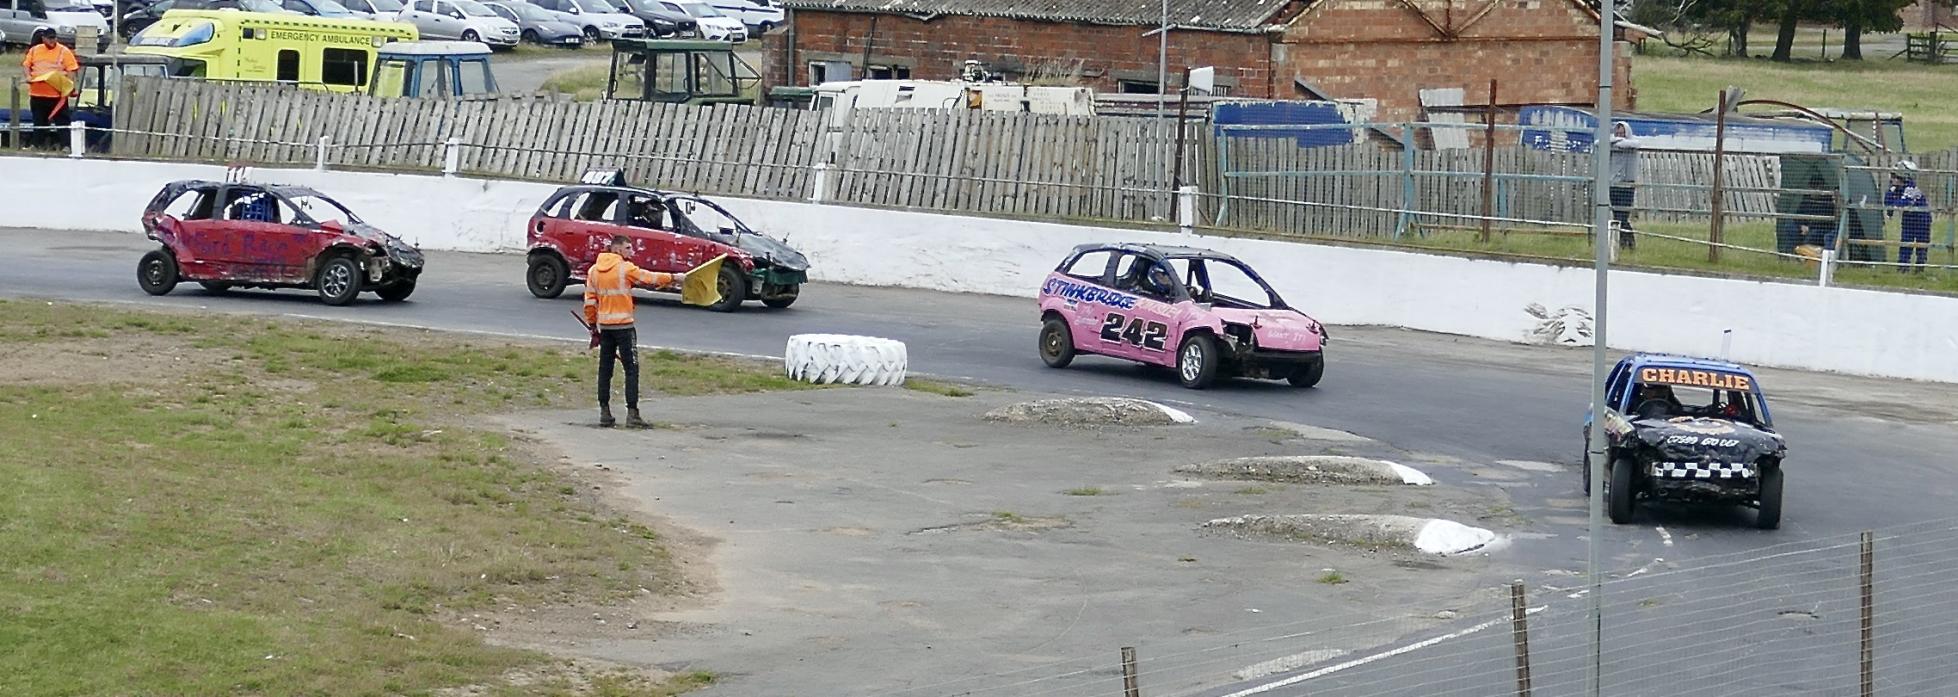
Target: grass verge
584 84
211 504
943 389
1918 91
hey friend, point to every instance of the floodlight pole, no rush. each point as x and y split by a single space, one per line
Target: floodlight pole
1602 241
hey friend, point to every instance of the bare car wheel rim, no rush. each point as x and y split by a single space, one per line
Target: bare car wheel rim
1192 361
545 276
154 272
723 286
336 280
1053 343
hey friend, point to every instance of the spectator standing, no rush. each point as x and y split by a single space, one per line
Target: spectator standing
1907 202
50 68
1624 177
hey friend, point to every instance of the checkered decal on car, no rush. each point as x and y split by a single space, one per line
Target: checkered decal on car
1702 470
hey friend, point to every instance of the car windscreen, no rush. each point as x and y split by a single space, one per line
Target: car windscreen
321 209
530 12
1230 285
708 219
329 8
385 5
598 6
699 10
1667 401
69 6
473 8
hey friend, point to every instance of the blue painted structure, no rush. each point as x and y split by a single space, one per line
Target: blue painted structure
1569 129
1281 113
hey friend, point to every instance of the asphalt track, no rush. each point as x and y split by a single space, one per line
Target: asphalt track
1865 453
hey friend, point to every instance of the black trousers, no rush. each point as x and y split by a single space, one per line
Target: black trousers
620 345
44 119
1621 211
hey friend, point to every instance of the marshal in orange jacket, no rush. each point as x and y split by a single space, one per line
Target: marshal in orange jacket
608 290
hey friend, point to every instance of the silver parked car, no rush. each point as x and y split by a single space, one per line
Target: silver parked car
538 25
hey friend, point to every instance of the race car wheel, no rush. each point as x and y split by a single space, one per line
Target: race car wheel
338 281
215 286
1196 361
547 277
1308 374
397 291
157 272
780 303
733 289
1618 497
1056 343
1769 516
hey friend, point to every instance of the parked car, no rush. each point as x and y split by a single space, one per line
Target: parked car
140 16
759 16
599 19
1203 313
538 25
230 235
19 19
466 20
377 10
670 232
322 8
661 21
709 23
1691 431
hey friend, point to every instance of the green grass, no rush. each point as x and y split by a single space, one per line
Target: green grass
584 83
300 510
943 389
1922 93
1008 517
1085 491
1332 578
1252 491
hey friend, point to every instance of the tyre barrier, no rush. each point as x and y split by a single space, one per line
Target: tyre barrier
845 359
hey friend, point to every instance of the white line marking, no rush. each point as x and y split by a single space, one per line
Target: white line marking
1665 537
1357 662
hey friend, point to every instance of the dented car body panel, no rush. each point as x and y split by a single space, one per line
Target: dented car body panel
1713 445
1143 301
670 233
269 236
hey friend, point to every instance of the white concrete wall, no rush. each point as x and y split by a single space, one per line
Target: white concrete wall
1774 324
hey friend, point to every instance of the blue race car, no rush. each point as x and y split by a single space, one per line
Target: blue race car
1688 430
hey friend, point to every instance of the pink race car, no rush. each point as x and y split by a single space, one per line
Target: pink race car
1138 302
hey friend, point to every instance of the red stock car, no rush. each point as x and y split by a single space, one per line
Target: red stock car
230 235
670 233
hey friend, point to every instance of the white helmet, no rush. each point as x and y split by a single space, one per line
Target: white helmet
1906 167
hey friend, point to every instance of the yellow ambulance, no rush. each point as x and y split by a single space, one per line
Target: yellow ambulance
337 55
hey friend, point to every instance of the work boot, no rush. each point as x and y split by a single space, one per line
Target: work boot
605 416
632 419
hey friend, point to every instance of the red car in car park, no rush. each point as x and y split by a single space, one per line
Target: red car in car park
670 233
226 235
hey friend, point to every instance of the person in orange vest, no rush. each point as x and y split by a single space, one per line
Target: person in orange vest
48 103
608 311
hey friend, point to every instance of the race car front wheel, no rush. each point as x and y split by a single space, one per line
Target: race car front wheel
1769 516
1196 361
548 275
1618 499
1308 374
157 272
733 288
338 281
1056 343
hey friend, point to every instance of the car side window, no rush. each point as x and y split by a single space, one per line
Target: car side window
645 212
193 204
1615 387
595 206
1128 271
1090 266
252 206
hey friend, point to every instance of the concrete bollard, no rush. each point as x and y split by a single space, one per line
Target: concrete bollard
818 182
319 161
1828 271
451 157
1186 210
77 138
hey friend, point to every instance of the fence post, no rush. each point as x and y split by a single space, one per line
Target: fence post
77 138
1519 628
1488 161
1718 201
1130 688
1869 615
1406 218
1614 231
1828 268
319 162
819 182
451 157
1186 209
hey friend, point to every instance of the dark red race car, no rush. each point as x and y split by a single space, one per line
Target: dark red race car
230 235
670 233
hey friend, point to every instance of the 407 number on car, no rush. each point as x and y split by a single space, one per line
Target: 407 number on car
1148 334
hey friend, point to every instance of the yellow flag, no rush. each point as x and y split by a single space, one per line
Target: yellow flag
56 79
702 286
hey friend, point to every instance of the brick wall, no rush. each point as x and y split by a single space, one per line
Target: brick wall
1541 52
934 50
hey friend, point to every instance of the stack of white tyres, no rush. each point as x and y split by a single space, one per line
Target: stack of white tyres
845 359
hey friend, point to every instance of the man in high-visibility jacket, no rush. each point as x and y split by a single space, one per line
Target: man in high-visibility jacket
48 58
608 310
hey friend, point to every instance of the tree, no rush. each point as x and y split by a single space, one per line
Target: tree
1697 22
1858 16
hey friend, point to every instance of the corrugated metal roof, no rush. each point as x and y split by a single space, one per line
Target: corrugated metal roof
1221 15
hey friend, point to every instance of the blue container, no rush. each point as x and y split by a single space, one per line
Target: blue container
1278 113
1569 129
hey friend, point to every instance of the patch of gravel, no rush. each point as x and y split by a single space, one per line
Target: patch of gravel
1311 469
1090 411
1428 535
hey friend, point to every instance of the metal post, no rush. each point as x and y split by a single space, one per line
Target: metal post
451 157
1406 217
319 161
1489 162
77 138
1186 213
1162 60
1869 615
1519 629
1719 193
1130 688
1601 228
1176 168
819 182
13 115
1828 271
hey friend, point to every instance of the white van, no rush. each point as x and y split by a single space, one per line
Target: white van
759 16
19 18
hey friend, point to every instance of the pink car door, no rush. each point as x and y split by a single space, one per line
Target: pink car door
1138 327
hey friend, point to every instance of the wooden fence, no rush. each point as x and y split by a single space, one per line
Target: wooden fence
1111 169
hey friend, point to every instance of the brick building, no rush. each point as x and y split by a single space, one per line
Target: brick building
1542 51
